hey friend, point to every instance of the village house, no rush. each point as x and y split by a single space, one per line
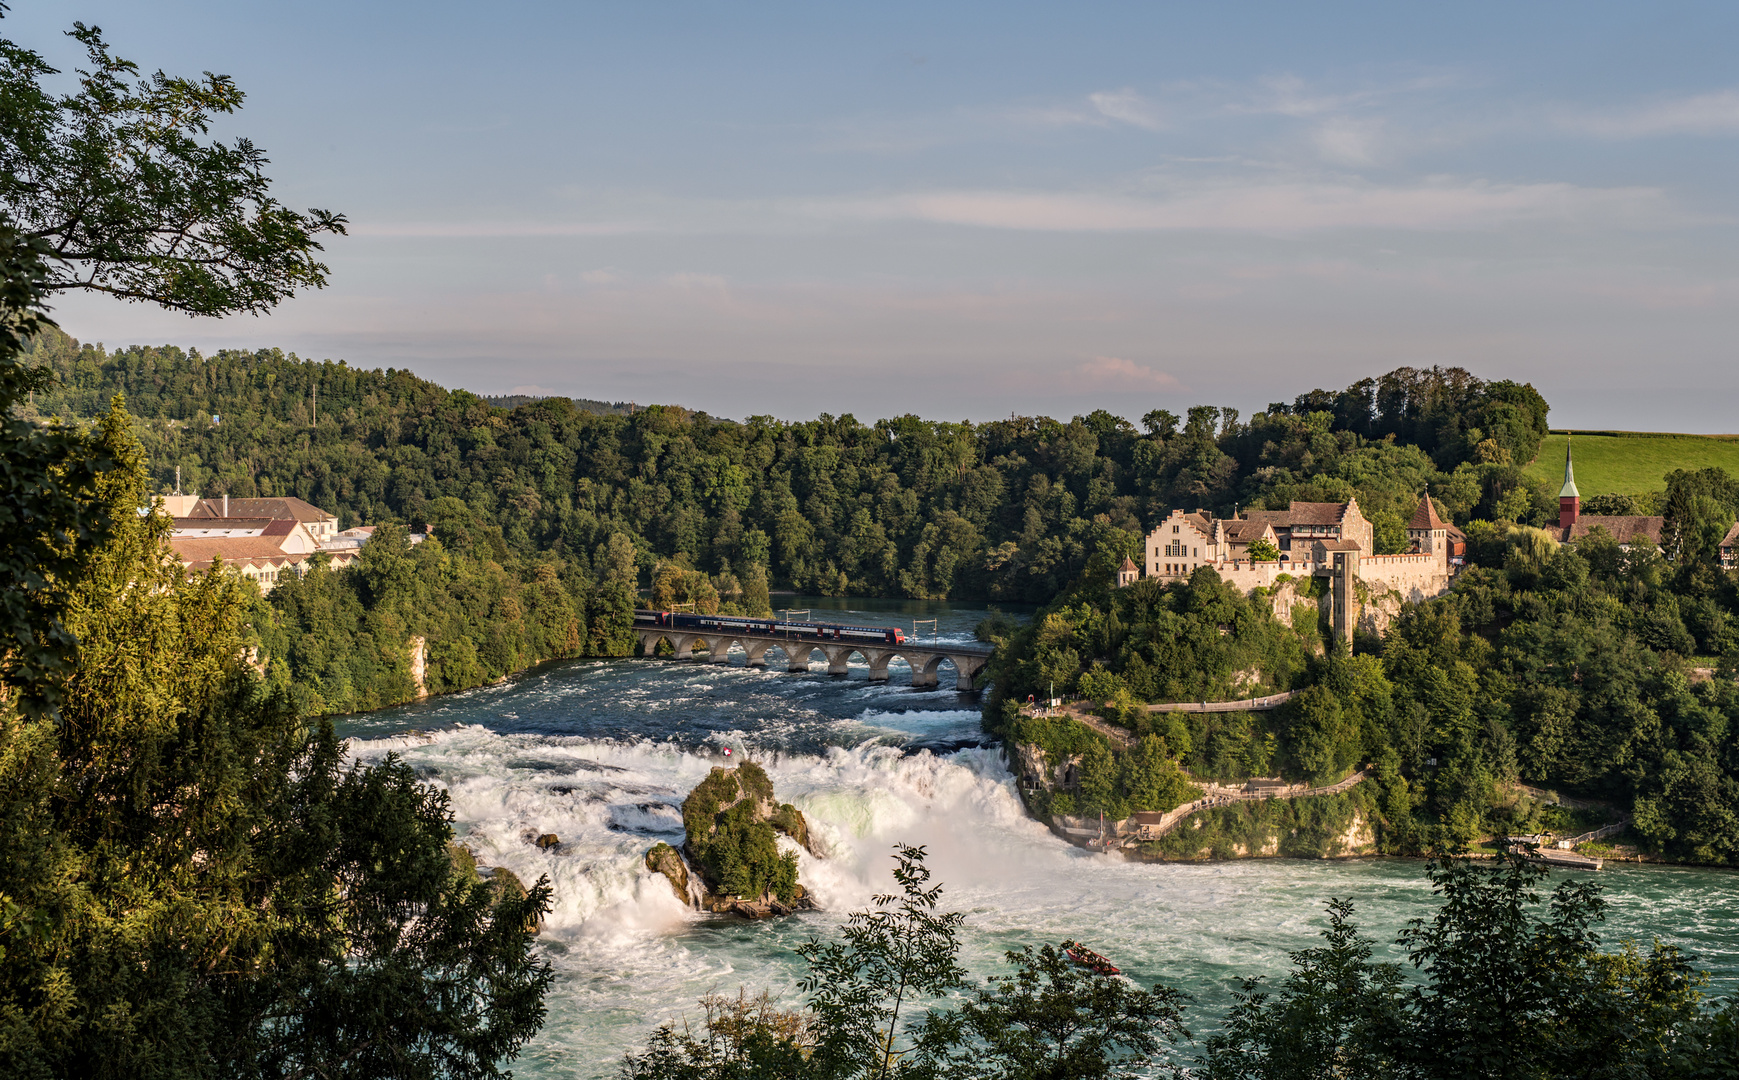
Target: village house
1302 526
260 539
259 559
1730 549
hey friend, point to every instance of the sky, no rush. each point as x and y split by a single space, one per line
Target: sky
970 210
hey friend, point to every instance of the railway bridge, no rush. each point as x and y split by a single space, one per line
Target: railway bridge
798 650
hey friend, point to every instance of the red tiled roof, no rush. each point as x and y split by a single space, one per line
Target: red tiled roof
240 523
1732 536
1623 528
1425 518
1280 519
1127 564
1338 545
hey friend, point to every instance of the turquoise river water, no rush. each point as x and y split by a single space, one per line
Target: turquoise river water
602 752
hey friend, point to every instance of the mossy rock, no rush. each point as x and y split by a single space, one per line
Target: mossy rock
732 818
464 862
505 884
664 859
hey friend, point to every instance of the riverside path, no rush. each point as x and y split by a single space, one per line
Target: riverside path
797 642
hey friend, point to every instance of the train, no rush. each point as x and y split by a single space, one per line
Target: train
808 631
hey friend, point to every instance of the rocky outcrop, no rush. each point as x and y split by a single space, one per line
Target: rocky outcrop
666 860
730 859
419 647
1377 612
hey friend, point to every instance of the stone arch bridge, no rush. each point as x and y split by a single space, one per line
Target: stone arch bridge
968 661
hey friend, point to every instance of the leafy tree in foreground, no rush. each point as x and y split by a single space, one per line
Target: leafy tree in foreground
46 511
865 988
193 884
1337 1014
1052 1019
1505 992
118 181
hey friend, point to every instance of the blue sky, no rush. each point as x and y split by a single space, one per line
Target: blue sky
969 210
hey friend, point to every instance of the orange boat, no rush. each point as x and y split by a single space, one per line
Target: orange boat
1089 959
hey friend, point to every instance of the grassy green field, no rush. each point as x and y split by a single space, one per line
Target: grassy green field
1631 462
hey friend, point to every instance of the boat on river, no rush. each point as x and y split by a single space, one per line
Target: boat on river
1089 959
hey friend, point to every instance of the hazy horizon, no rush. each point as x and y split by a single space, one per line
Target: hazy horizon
969 211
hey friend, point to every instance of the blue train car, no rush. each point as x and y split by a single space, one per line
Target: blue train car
807 631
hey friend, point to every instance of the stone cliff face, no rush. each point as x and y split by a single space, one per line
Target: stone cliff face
730 859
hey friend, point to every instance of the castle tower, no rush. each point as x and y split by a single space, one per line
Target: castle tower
1427 531
1569 499
1127 573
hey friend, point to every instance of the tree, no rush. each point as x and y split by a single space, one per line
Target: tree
864 989
1053 1019
1262 549
741 1038
194 883
47 510
1335 1015
118 181
1508 993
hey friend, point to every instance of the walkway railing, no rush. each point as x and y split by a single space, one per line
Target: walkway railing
1223 796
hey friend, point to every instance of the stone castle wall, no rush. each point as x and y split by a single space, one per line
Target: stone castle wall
1261 575
1415 577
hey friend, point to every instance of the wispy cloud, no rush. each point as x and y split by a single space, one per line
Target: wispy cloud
1128 107
1266 207
1116 373
1714 113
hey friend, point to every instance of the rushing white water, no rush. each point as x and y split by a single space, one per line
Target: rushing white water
602 755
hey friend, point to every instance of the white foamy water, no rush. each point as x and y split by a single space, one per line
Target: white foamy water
629 956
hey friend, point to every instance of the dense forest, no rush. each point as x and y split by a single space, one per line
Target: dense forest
550 517
1007 510
1594 671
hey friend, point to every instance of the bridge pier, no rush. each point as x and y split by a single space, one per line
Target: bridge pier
797 659
836 659
757 652
878 664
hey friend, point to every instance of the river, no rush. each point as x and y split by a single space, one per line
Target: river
601 753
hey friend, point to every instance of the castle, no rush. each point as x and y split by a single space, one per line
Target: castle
1330 540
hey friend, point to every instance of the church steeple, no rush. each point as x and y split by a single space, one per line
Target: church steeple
1569 499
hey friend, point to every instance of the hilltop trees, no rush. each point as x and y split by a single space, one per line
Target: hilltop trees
1010 510
118 183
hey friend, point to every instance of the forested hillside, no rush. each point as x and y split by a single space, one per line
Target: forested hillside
1006 510
1594 671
